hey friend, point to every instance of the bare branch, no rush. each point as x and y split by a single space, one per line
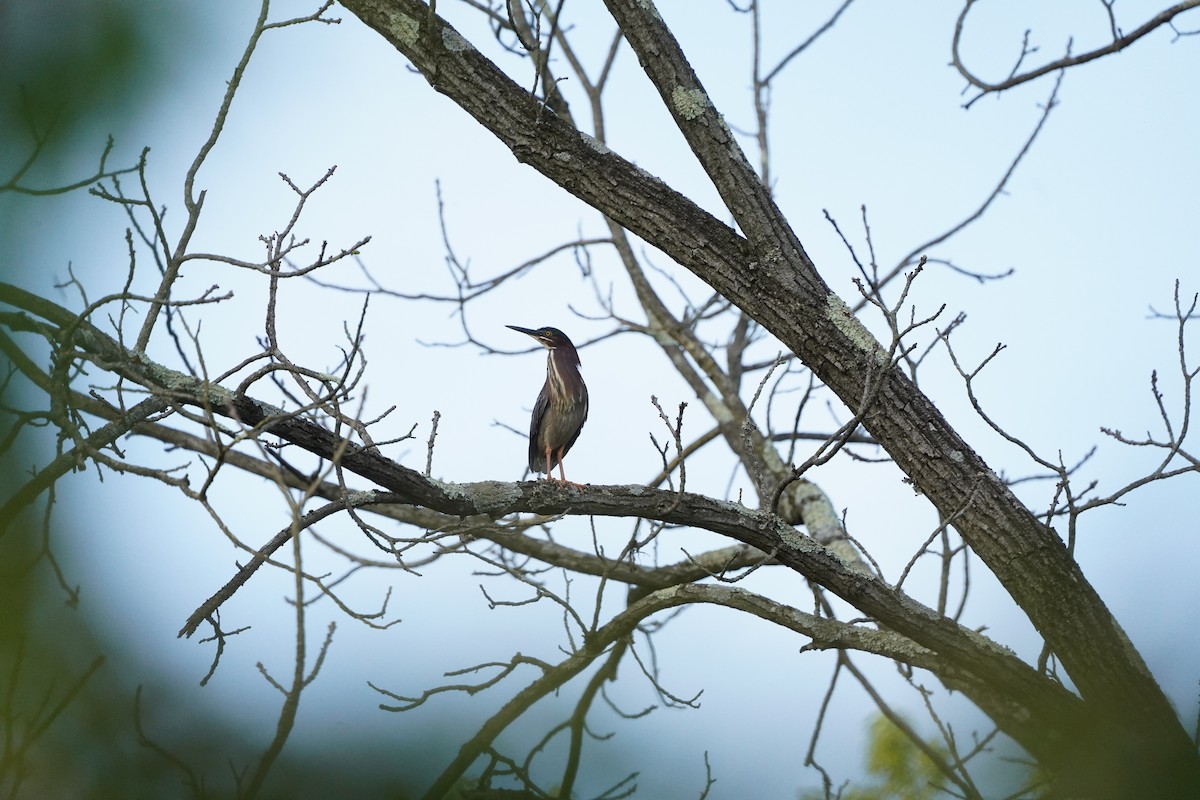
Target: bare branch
1164 17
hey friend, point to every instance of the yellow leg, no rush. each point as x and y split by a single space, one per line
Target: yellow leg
563 473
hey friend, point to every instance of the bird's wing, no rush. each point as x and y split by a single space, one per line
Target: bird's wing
537 454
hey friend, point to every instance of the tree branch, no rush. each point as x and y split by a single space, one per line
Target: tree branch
770 277
1118 43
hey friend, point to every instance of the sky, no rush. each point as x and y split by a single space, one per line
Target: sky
1097 224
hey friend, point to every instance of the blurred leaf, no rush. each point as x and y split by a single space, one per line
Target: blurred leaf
898 767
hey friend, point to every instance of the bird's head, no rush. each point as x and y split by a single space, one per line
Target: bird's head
550 338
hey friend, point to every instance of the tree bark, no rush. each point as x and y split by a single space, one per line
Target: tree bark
1119 737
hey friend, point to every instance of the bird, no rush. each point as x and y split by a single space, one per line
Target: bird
561 407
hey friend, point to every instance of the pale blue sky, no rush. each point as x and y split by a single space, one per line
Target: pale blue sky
1098 223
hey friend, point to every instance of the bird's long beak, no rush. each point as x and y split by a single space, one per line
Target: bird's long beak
535 334
538 336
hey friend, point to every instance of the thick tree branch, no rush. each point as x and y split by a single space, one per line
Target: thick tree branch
1042 715
770 277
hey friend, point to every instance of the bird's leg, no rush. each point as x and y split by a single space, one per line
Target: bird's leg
549 474
563 473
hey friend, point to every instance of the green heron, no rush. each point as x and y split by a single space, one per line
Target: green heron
561 407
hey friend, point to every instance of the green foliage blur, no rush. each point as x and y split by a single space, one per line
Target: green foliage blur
73 74
66 67
63 65
896 768
67 63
